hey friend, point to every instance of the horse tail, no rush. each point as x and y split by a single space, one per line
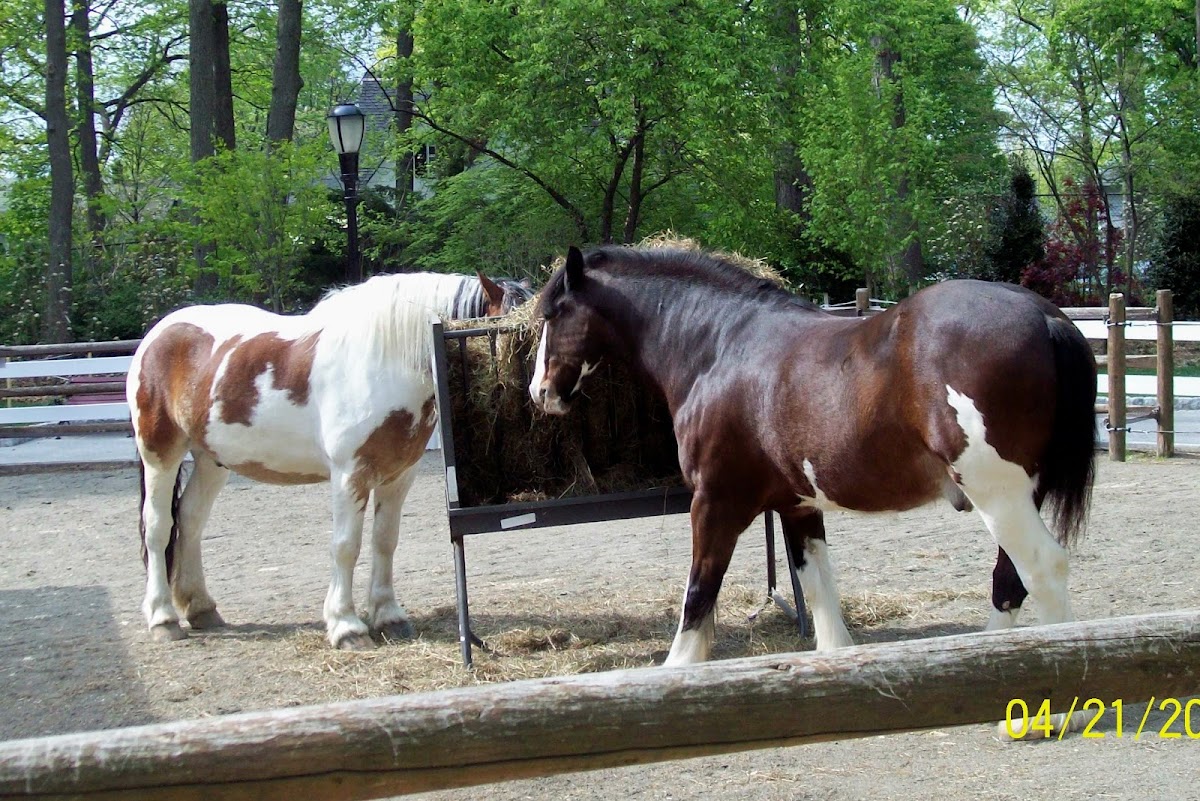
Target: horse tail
1069 463
176 495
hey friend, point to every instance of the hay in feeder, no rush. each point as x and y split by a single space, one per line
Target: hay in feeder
618 437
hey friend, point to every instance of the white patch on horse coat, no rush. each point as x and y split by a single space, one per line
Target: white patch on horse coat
584 372
276 419
539 367
819 500
693 646
1002 493
1001 621
819 583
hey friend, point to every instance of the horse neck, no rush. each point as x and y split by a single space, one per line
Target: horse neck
386 319
673 340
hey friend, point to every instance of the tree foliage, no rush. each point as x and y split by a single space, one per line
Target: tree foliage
846 142
1017 235
1176 262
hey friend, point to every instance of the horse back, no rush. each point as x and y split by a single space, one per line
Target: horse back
859 413
207 369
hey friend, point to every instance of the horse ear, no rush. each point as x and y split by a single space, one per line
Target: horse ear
574 278
495 294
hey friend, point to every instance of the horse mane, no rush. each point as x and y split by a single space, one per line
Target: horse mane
388 316
661 265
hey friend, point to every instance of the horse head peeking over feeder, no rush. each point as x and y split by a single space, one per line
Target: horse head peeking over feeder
342 394
977 392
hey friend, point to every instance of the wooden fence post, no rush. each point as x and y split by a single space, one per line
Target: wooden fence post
1116 377
1166 373
862 301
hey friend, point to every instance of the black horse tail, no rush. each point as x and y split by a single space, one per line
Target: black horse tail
1069 465
176 494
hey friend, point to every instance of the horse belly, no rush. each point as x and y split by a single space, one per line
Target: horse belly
278 446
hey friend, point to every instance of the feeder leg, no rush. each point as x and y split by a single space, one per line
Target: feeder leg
465 637
799 613
797 592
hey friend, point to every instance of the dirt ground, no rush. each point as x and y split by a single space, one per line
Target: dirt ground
75 654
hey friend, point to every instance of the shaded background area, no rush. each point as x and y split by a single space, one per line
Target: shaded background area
64 665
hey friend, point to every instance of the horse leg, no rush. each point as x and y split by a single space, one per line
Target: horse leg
384 614
159 476
715 530
1008 593
189 590
342 626
1004 495
805 531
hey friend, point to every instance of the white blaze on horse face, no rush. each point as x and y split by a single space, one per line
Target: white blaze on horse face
539 368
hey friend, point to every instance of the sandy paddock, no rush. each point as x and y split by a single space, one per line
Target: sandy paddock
75 654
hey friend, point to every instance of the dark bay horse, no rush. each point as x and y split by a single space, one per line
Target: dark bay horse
342 394
980 393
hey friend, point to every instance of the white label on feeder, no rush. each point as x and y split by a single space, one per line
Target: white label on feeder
452 484
519 520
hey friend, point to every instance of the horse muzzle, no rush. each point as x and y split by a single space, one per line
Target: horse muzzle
549 401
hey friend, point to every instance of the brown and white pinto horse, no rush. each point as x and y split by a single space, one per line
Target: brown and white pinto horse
981 393
342 394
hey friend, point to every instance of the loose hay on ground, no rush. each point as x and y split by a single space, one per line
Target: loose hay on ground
554 640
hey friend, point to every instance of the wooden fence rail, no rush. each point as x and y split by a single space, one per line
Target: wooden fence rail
97 374
414 743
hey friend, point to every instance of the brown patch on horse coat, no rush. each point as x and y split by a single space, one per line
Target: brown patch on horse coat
392 448
260 472
163 396
290 361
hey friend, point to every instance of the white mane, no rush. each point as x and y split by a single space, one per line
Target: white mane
388 316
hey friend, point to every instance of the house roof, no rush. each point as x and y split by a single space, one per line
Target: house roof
374 101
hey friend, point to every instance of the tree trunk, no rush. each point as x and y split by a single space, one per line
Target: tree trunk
222 74
85 132
201 109
793 184
285 80
1125 106
56 316
404 116
635 185
906 226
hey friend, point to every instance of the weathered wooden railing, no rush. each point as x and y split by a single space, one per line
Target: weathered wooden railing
414 743
1114 326
94 372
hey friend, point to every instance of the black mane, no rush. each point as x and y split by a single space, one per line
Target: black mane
671 265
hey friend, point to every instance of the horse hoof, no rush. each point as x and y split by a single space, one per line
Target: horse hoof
167 632
398 630
356 642
208 619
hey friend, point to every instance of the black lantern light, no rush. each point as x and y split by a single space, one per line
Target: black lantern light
346 127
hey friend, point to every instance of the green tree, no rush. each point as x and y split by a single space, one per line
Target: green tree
1018 236
1175 263
601 105
886 139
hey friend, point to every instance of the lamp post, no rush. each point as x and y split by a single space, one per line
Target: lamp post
346 125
